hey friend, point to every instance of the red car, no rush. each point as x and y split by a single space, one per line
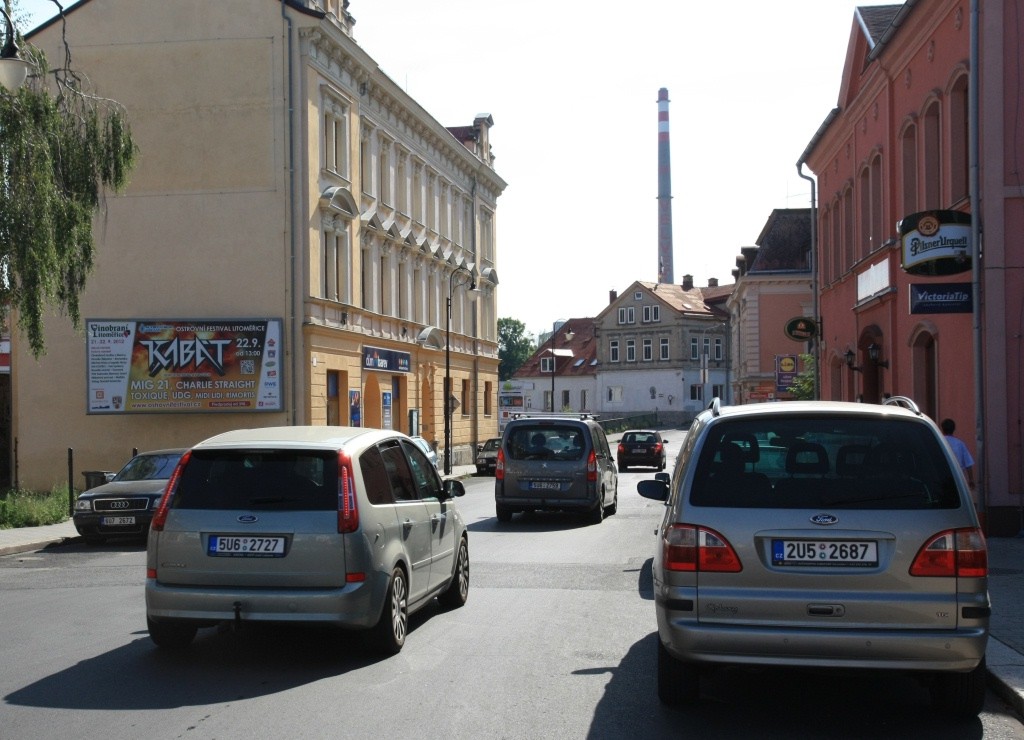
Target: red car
641 447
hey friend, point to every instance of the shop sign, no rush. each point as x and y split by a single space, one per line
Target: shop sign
785 372
941 298
386 360
936 242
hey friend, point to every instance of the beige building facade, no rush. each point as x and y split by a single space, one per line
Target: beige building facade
285 181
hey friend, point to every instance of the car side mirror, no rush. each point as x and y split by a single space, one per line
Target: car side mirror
453 488
663 477
656 490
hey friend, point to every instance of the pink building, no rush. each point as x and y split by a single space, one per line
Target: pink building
929 310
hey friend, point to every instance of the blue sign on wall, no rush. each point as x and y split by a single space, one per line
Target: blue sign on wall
387 360
941 298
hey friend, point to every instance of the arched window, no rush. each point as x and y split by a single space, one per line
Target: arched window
958 141
908 145
932 163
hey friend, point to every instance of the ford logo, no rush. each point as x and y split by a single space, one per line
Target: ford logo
824 519
248 519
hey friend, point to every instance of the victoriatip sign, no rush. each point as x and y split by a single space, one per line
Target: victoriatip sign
141 366
941 298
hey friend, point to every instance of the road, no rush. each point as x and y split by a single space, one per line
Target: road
556 641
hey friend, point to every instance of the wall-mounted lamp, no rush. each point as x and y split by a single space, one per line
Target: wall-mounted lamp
850 356
13 69
874 352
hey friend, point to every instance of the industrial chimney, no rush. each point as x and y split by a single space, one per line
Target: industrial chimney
666 271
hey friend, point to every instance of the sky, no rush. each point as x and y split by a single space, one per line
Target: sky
572 86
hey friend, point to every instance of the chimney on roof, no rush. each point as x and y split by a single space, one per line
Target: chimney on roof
613 296
666 270
712 282
687 282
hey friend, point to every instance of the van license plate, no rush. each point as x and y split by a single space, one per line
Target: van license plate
857 554
226 546
118 521
545 485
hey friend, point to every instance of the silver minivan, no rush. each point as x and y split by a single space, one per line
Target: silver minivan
335 525
548 462
820 535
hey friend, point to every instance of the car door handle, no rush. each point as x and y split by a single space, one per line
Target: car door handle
407 524
437 519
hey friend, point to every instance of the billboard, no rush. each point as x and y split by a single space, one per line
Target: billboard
141 366
936 243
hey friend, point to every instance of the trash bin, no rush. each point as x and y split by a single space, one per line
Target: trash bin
95 478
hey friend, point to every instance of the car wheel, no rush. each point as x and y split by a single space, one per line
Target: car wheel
394 619
458 590
597 513
170 635
678 682
960 694
504 514
615 503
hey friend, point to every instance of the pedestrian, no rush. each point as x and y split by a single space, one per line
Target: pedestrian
960 451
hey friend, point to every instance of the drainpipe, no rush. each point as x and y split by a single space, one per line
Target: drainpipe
975 198
813 262
298 369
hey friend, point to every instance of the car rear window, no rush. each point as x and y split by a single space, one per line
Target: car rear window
148 467
546 442
639 438
288 480
809 462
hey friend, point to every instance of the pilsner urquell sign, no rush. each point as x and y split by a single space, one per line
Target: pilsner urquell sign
138 366
936 242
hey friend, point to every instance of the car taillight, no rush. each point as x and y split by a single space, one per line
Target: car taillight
955 552
689 548
499 465
592 467
160 515
657 448
348 509
622 448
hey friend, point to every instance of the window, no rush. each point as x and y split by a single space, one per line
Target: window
652 314
336 277
664 348
696 392
718 348
547 364
488 393
464 401
648 350
335 136
566 403
932 174
627 315
958 141
584 400
630 350
909 145
613 350
638 296
547 401
694 348
718 390
615 394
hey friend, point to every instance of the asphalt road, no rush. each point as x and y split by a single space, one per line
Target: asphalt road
556 641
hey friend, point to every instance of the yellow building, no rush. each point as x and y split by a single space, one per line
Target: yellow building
289 248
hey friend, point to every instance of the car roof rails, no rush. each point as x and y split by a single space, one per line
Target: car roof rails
903 402
552 415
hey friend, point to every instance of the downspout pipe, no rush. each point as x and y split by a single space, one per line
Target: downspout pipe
974 161
295 320
813 264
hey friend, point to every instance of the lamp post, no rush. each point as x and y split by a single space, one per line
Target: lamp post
468 279
13 69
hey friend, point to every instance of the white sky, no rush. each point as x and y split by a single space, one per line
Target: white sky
572 86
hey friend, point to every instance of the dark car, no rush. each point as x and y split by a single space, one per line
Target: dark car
641 447
125 505
487 456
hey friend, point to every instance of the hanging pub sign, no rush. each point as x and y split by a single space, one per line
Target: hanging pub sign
936 242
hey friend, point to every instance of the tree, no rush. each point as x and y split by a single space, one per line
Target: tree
514 347
61 148
803 385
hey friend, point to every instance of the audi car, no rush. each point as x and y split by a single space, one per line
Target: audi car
125 505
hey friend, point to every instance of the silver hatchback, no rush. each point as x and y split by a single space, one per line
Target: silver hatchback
820 535
336 525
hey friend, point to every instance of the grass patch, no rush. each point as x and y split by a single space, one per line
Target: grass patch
21 508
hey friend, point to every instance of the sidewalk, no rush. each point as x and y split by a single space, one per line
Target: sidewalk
1005 654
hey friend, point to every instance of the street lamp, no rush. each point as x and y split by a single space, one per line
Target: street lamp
13 69
468 279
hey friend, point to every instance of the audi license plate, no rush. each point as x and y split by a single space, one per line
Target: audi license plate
229 546
117 521
545 485
844 553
